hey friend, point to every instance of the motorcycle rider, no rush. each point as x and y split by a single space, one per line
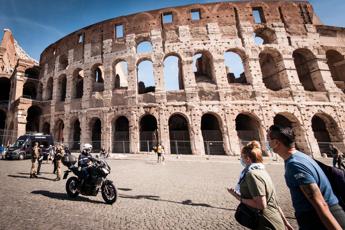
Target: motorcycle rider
84 161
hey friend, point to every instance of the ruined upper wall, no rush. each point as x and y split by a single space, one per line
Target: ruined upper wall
229 15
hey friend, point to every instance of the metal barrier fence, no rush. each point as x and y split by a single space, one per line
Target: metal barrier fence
214 148
121 147
180 147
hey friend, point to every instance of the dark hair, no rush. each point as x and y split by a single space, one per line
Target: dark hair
283 134
253 151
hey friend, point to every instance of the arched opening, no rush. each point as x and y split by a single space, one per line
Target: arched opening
78 84
203 67
46 128
32 73
308 70
144 47
326 132
264 36
148 133
5 86
33 119
62 87
173 73
29 90
96 134
2 119
289 120
63 62
58 131
273 70
49 90
97 78
121 75
2 126
146 80
76 132
234 68
248 129
179 135
212 135
121 135
336 63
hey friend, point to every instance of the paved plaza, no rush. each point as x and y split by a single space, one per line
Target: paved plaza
185 193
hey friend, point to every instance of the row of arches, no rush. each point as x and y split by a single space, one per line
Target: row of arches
247 126
273 70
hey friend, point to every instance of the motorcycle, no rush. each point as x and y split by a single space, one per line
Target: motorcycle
90 186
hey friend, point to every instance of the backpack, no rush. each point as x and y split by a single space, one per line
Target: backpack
336 178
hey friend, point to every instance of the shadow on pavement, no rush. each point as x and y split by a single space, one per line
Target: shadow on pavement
63 196
185 202
124 189
28 177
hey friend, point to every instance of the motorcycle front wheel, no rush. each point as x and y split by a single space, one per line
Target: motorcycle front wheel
109 192
72 187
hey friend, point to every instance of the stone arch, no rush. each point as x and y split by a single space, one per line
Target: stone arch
97 76
32 72
58 130
308 70
234 64
121 139
179 134
5 86
46 128
33 119
212 134
78 83
145 75
173 72
248 128
30 90
120 71
49 89
273 69
144 46
148 132
267 35
62 87
336 64
203 67
326 132
96 133
285 119
75 134
63 62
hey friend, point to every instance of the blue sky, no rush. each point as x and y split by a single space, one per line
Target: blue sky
38 23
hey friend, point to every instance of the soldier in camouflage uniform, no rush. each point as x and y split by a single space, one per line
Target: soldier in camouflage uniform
60 152
34 157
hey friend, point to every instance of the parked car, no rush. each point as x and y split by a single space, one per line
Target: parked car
22 148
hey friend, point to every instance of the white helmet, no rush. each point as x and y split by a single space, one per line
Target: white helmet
87 147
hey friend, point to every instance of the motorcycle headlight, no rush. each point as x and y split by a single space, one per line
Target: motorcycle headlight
105 171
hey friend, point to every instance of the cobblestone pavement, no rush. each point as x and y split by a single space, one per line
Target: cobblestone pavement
182 194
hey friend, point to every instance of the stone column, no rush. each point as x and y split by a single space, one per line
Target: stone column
85 129
163 127
234 145
197 141
253 74
106 133
134 133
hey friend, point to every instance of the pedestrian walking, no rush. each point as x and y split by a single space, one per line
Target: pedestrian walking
159 151
256 192
35 154
316 206
337 155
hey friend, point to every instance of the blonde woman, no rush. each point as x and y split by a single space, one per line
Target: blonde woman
256 190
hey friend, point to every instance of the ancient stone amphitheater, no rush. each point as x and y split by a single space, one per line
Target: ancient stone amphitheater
94 84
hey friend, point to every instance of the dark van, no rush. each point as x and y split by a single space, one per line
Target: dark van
22 148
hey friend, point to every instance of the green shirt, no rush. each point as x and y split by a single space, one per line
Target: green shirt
257 182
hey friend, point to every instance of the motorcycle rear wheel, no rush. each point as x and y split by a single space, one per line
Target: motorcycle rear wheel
109 192
72 187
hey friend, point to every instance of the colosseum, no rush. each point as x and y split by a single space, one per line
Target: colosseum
165 76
